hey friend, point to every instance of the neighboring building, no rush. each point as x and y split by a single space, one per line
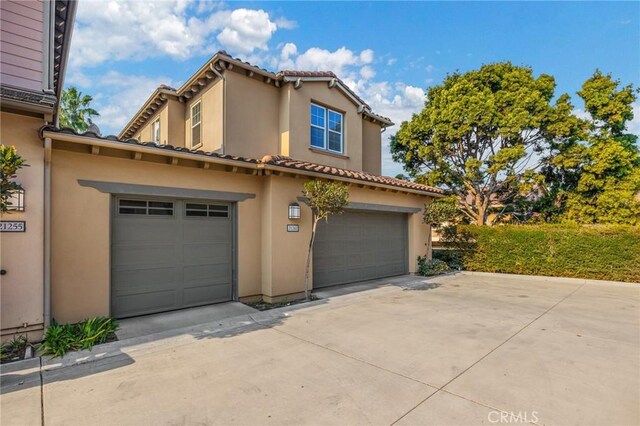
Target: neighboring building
190 204
35 39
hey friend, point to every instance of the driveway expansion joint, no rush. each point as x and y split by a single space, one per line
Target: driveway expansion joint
491 351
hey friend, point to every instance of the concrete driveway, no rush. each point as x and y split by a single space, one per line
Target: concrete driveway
465 349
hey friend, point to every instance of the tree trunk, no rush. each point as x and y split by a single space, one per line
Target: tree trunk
482 216
309 254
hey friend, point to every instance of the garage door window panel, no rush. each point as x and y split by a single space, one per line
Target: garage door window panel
144 208
207 210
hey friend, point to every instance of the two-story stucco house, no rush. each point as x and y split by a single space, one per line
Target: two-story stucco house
34 46
190 204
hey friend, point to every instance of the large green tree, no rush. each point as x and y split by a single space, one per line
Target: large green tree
481 133
597 178
75 110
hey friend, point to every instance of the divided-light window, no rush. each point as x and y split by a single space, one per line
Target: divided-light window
144 207
326 129
156 131
195 125
206 210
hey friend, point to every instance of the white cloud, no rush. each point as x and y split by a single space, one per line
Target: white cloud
119 96
286 24
288 50
429 68
247 30
391 61
367 72
315 59
180 29
399 102
366 56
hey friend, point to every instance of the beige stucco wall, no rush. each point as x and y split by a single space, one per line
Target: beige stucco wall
271 261
252 116
174 123
21 254
285 253
211 115
299 125
81 225
253 119
172 126
371 148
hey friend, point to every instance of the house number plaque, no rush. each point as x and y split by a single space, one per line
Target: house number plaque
293 228
12 226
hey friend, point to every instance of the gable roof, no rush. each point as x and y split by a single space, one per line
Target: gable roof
270 162
223 61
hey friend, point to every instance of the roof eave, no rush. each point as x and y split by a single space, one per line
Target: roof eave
144 107
133 147
311 173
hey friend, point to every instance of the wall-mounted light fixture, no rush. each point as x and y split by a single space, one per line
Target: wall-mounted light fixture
294 211
15 201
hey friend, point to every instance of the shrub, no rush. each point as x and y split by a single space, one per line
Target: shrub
14 349
62 338
452 257
429 267
607 252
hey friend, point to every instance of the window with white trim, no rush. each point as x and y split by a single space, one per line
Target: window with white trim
155 128
196 126
326 129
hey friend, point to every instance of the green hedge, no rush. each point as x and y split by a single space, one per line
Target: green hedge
595 252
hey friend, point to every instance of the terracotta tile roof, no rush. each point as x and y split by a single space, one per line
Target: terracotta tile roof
294 73
288 162
271 160
132 141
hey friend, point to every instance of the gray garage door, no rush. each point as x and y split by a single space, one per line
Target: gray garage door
169 254
358 246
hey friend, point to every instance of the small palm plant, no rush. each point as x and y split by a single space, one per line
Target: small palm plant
75 112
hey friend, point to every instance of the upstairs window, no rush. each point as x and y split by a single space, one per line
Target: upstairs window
195 125
326 129
155 128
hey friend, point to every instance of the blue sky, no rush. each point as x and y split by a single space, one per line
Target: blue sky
389 52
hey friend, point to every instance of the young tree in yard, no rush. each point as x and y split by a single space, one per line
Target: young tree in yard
605 167
10 163
75 112
325 199
480 134
440 211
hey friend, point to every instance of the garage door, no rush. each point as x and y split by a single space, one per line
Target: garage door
169 254
358 246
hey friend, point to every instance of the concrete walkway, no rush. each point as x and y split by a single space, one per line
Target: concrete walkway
463 349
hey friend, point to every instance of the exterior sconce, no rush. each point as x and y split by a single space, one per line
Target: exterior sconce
294 211
15 202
